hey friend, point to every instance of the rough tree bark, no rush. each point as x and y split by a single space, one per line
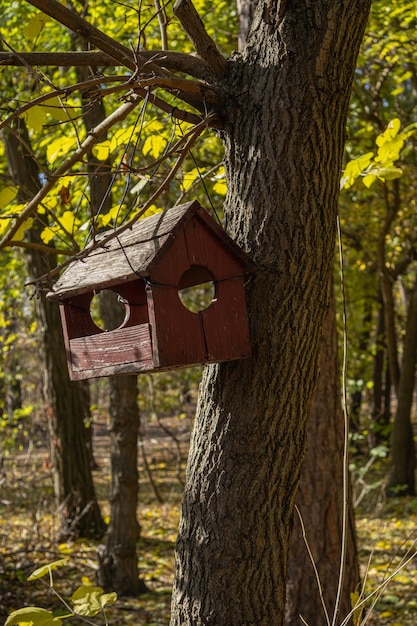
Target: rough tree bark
320 494
286 99
320 499
65 407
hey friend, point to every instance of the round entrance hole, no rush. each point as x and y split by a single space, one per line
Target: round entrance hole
196 289
109 310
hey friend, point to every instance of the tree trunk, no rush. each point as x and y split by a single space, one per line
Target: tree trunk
284 116
403 456
386 287
320 501
377 434
65 408
118 563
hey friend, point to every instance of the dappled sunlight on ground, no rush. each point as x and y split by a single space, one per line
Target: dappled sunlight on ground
29 526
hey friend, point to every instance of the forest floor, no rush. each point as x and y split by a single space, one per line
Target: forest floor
387 533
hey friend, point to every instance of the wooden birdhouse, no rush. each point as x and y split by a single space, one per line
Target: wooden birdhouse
149 269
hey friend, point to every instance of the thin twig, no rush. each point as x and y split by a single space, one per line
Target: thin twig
149 472
316 574
64 92
41 247
194 134
345 467
377 591
93 137
155 415
162 24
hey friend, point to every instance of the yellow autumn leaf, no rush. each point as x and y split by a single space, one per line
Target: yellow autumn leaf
23 228
57 109
64 548
152 210
35 25
154 145
123 136
354 169
59 147
102 150
46 569
68 221
7 195
47 235
104 220
389 133
190 177
357 610
220 187
35 118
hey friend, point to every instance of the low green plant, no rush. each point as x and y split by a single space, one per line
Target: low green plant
86 601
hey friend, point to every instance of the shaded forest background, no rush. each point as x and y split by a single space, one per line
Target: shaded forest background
378 239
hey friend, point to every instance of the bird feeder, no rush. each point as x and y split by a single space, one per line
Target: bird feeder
149 268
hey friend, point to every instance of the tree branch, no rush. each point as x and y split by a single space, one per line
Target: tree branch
131 59
31 245
63 93
100 40
92 138
189 139
58 59
203 43
177 61
205 93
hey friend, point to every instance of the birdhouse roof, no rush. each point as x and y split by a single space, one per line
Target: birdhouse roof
135 251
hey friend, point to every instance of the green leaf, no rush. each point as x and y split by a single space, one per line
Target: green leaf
88 600
46 569
34 615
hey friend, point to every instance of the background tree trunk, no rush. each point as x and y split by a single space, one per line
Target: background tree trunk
403 455
118 562
65 407
284 115
320 500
